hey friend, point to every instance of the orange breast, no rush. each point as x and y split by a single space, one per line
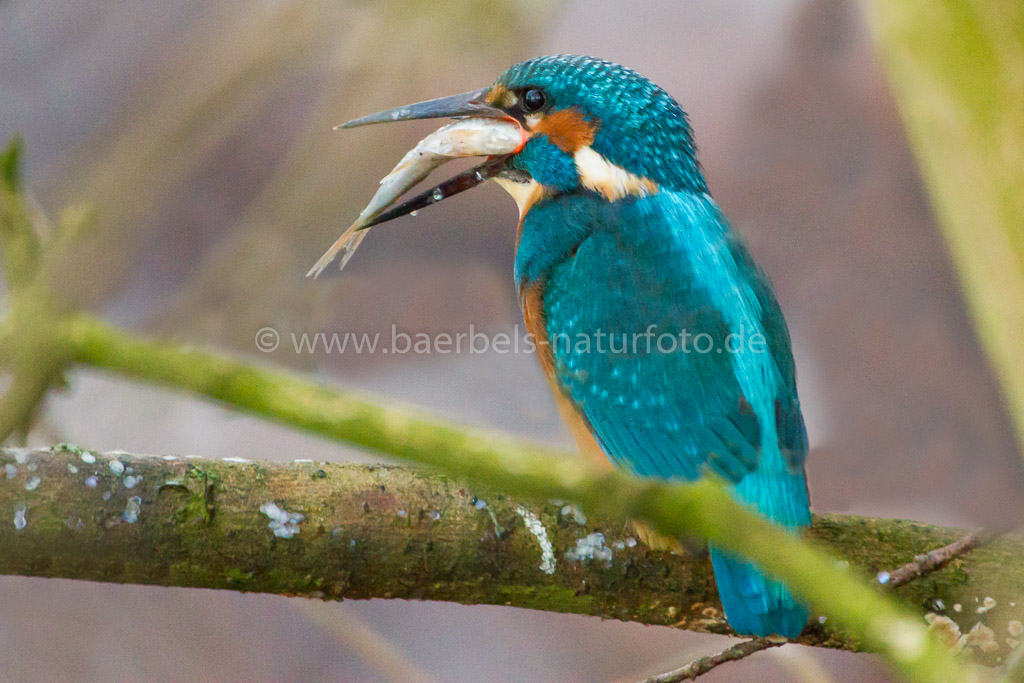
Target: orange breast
530 298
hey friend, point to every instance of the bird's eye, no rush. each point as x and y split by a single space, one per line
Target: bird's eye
534 100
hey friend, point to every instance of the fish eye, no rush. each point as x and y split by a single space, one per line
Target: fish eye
534 100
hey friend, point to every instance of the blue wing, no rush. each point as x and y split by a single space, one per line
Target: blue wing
668 340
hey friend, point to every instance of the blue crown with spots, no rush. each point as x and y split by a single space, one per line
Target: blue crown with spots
640 126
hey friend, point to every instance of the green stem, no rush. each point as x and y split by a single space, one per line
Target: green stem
528 470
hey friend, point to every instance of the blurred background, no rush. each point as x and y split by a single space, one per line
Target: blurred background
201 133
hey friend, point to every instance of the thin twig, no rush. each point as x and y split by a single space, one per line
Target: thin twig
701 666
938 558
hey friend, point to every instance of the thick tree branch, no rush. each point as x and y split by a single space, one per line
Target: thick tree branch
348 531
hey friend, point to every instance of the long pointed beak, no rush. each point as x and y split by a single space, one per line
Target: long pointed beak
482 131
470 103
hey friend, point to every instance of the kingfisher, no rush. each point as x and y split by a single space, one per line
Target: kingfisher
619 241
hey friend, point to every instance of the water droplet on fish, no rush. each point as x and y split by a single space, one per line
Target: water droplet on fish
437 194
414 213
479 176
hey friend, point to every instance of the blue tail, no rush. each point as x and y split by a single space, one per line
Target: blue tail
755 604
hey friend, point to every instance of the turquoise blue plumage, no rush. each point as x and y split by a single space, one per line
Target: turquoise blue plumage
676 415
668 260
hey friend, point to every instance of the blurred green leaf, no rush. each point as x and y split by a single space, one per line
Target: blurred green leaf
957 72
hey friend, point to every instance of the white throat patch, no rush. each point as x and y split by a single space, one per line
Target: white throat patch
525 194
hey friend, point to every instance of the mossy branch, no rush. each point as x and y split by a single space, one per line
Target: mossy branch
394 532
527 470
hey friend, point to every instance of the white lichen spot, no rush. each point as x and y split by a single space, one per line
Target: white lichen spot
945 630
403 514
72 469
957 607
619 545
672 612
1015 628
986 604
981 637
630 542
1012 643
435 515
32 467
107 495
88 458
10 470
131 481
170 457
842 565
131 510
537 528
822 619
576 514
19 516
883 577
92 482
20 457
938 605
117 467
32 484
284 524
591 547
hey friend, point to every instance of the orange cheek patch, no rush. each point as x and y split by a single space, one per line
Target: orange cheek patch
567 129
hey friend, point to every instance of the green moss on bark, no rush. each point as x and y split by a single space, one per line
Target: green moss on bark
394 532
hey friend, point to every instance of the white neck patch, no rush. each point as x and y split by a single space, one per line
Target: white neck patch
611 181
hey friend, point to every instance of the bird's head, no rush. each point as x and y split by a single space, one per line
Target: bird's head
548 126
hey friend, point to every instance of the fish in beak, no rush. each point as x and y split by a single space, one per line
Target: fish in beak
480 131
